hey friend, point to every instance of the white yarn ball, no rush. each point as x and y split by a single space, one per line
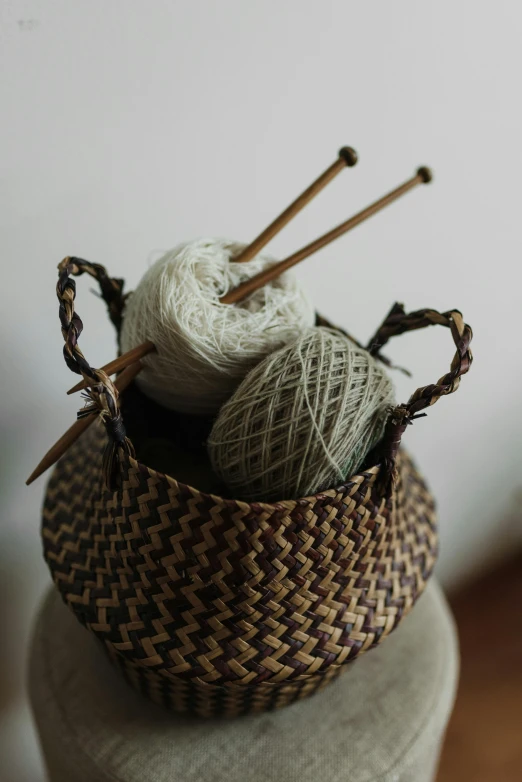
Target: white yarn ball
203 348
303 420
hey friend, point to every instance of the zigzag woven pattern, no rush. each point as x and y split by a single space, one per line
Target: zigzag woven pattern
221 606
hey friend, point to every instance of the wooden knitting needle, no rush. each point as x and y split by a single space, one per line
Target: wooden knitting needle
423 175
347 157
79 426
119 363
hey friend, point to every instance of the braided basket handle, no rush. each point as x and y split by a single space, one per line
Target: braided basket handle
101 392
111 288
398 322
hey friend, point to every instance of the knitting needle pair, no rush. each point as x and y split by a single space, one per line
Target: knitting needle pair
131 360
347 157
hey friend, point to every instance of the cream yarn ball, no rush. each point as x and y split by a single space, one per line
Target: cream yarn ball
203 348
303 420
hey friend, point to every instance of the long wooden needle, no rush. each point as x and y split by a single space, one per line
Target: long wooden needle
347 157
423 175
119 363
79 426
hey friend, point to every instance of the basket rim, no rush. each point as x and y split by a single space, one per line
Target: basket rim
369 475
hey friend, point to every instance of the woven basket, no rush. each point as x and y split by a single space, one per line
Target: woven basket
218 606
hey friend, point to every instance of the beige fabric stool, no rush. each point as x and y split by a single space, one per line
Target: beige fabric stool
384 719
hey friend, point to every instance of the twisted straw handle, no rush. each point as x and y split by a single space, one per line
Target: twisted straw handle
101 391
398 322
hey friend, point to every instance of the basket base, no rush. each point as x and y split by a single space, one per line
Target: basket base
208 700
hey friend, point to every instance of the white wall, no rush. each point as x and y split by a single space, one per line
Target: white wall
129 125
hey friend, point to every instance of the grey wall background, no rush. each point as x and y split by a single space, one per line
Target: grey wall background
128 126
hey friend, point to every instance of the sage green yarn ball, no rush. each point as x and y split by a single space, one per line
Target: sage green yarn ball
303 420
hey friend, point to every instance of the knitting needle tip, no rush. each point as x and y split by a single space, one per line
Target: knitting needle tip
425 173
80 425
349 155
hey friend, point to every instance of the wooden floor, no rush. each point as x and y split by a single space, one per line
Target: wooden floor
484 738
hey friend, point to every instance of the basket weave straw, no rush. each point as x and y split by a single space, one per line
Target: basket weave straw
221 607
